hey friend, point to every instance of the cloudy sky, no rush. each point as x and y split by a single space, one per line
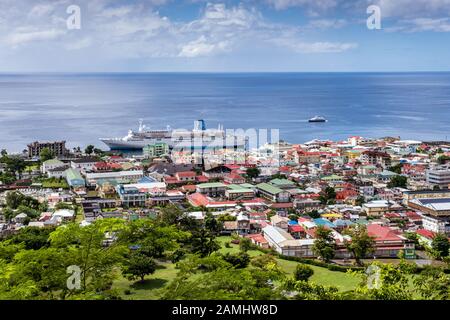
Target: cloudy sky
225 35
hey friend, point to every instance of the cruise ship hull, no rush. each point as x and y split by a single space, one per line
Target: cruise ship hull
199 139
124 145
139 145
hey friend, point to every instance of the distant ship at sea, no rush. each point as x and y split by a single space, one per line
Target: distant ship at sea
317 119
199 138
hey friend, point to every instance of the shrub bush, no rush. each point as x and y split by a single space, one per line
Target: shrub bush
303 272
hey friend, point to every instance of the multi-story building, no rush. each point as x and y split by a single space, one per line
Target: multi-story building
214 189
425 194
436 224
273 193
131 196
156 150
376 157
58 148
439 176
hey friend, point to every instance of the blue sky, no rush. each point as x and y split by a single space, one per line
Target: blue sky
227 35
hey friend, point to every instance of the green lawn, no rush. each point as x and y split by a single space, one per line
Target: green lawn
323 276
55 184
79 214
343 281
150 289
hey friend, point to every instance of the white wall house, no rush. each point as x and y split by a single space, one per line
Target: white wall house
285 244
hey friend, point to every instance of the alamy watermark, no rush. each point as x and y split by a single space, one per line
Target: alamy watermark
373 277
374 20
230 145
73 22
74 280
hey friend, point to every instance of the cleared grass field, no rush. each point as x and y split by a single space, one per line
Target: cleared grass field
150 289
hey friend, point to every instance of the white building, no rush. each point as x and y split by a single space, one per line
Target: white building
439 176
83 164
130 176
52 164
435 224
285 244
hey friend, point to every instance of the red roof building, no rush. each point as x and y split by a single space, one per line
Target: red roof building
426 234
388 242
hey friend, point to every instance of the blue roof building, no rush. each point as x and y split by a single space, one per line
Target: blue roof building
324 222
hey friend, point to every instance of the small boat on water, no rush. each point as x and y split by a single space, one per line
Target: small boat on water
317 119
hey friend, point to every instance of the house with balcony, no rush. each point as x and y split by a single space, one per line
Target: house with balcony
272 193
212 189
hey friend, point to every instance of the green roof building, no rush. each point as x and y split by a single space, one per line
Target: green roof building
74 178
272 192
283 183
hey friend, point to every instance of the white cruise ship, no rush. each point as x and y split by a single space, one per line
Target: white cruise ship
198 139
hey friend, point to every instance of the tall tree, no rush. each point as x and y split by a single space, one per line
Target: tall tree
92 248
440 246
328 196
89 149
398 182
138 266
253 172
203 242
360 244
324 244
46 154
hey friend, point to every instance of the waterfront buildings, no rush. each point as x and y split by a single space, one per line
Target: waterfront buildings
292 192
58 148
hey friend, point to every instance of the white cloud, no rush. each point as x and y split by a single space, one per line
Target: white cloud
201 47
327 24
422 25
20 38
40 10
118 30
314 4
413 8
316 47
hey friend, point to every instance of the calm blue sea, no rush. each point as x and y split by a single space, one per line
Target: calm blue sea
81 108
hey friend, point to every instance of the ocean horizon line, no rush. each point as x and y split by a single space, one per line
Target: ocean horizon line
9 73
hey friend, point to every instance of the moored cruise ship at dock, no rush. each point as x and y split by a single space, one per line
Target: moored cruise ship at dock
198 139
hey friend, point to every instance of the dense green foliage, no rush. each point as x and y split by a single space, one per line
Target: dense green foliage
440 246
328 196
303 272
34 264
324 244
46 154
361 243
253 172
398 181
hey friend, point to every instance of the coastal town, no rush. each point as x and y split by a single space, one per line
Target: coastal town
279 197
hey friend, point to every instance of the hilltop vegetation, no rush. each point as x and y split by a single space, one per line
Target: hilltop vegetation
175 257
